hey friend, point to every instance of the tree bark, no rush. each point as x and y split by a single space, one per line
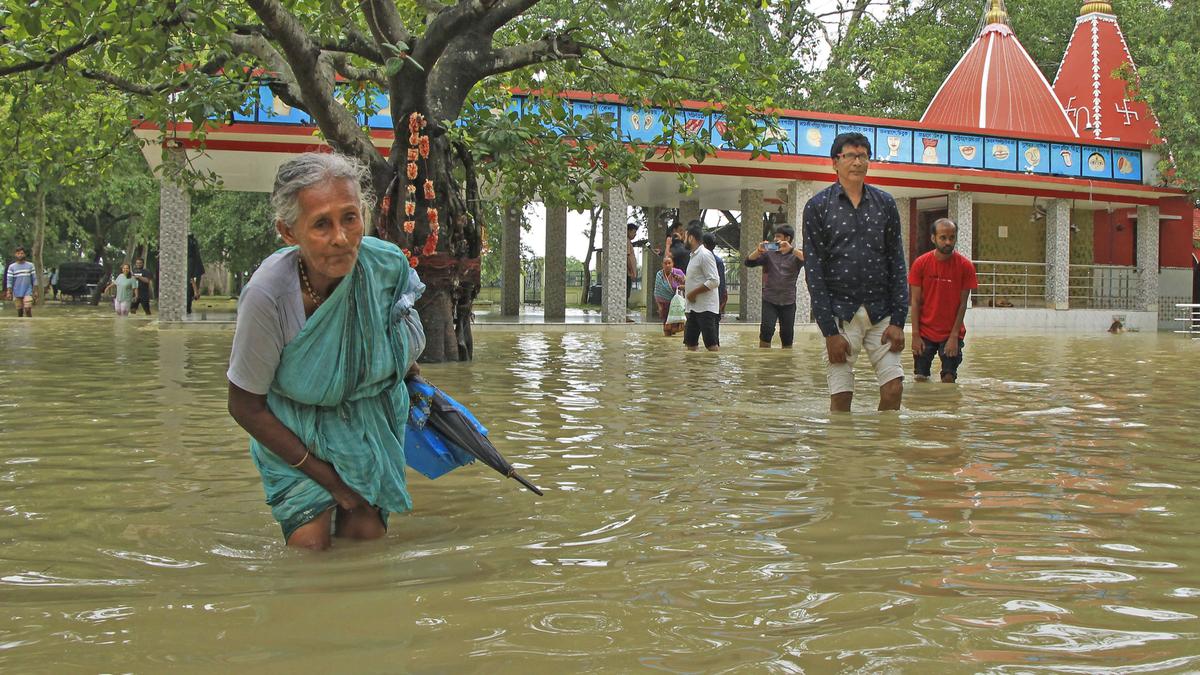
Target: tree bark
39 242
432 218
594 216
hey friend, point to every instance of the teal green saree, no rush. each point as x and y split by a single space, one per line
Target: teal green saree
340 388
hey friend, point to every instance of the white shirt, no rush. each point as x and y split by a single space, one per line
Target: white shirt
702 271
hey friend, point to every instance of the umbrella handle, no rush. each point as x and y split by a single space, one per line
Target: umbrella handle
522 480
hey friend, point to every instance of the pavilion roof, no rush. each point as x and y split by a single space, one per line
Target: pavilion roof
1096 99
996 87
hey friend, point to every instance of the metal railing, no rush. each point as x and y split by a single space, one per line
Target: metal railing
1190 319
1102 287
1010 284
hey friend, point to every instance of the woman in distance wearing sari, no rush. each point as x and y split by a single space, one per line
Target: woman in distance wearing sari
325 336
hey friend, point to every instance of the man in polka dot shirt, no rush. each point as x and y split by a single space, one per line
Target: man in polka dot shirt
854 258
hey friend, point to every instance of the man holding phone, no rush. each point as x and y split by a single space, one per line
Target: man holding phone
782 263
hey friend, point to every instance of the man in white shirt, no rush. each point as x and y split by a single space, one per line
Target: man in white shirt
703 308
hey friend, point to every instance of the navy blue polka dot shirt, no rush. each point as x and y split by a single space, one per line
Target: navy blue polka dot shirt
854 257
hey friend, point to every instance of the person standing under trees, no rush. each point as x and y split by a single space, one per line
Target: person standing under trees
21 281
667 282
142 297
854 261
941 281
125 285
700 291
676 246
782 262
195 270
710 243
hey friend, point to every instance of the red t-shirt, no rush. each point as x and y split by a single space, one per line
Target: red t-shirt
942 284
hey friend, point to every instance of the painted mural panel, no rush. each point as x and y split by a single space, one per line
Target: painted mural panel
893 145
1097 162
251 109
1034 157
814 138
931 147
778 140
966 151
1064 159
1127 165
1000 154
275 111
382 119
863 129
690 123
641 125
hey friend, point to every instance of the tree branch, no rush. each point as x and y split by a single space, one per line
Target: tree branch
552 47
431 6
500 12
341 64
603 54
386 24
314 78
54 59
355 43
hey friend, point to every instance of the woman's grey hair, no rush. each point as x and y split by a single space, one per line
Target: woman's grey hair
309 169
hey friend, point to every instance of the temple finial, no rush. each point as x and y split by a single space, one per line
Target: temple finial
996 14
1096 7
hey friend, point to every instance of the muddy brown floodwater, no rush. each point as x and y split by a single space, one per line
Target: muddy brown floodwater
703 513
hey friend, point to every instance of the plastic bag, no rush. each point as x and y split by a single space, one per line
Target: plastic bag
676 313
404 313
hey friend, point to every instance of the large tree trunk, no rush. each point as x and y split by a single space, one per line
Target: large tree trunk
434 219
39 243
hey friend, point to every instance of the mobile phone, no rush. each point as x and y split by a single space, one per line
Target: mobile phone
773 246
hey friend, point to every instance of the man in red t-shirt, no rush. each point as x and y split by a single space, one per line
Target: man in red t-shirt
941 282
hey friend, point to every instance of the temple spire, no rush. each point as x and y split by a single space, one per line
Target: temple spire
996 14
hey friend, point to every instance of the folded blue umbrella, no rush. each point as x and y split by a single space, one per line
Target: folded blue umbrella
443 435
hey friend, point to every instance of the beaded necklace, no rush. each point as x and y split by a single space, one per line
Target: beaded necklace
307 286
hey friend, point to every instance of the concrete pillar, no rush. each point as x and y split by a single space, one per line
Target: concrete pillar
959 207
1147 258
510 261
1058 254
750 278
616 246
689 210
797 195
904 206
656 232
174 218
554 292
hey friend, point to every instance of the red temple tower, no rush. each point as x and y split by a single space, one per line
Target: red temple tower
1088 86
997 87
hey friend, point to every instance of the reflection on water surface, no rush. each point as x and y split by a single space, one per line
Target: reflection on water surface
703 513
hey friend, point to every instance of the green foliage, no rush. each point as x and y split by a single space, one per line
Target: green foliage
1168 69
235 228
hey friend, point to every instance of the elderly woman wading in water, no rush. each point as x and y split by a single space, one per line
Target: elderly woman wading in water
325 336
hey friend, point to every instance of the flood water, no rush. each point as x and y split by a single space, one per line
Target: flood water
702 513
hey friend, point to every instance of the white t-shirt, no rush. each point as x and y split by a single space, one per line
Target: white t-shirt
702 271
270 315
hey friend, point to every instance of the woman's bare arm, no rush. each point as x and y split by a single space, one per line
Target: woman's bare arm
250 411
